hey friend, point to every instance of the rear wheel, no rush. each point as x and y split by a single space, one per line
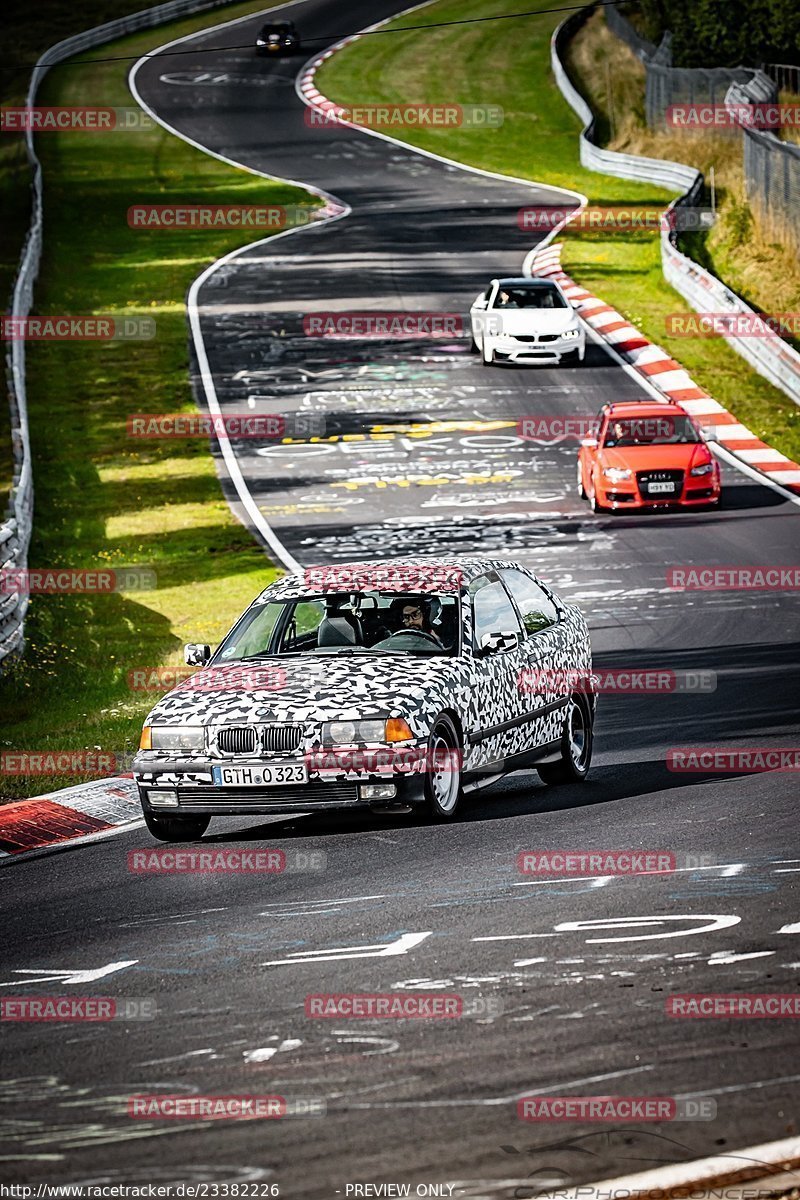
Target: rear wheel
576 746
176 829
443 770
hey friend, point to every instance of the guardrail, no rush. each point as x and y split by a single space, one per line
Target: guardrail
16 526
769 355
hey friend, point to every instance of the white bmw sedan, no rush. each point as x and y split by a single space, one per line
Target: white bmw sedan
525 320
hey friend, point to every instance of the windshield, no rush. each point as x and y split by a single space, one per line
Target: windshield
667 430
529 297
344 623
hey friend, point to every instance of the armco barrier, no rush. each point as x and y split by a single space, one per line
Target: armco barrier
15 528
770 356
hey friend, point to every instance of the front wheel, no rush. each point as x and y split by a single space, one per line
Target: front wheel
594 504
576 746
443 770
581 488
488 355
176 829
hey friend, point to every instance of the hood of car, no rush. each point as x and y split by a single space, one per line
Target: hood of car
532 320
676 457
305 688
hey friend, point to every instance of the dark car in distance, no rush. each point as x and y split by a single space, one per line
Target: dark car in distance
277 37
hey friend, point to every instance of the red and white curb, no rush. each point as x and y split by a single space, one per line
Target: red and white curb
72 815
309 89
666 375
761 1164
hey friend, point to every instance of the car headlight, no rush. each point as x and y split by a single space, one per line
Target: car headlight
616 474
172 737
569 333
703 469
355 732
260 42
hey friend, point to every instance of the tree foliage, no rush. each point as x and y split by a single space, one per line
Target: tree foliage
723 33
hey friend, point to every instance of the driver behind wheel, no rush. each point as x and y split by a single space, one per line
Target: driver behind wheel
415 615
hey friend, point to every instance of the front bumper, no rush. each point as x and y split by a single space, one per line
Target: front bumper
192 783
619 496
517 350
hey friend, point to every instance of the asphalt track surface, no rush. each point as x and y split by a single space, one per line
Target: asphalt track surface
229 958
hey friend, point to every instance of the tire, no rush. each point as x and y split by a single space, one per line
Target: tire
443 785
576 746
581 488
594 505
488 356
176 829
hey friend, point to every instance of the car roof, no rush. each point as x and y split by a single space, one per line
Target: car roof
528 280
624 407
278 25
291 586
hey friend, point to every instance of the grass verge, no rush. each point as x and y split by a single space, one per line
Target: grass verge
506 62
101 498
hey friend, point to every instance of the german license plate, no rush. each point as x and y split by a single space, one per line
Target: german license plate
661 487
273 775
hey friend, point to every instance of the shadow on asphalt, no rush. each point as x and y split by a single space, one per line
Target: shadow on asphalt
750 706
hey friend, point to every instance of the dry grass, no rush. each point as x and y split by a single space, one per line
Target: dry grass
744 248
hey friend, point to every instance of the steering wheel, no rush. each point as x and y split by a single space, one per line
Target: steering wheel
416 633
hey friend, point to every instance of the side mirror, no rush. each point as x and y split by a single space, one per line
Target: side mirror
495 643
480 302
590 443
196 654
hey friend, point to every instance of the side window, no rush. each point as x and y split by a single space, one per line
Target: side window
487 295
492 611
538 610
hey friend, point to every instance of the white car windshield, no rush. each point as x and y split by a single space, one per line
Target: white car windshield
341 623
529 297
